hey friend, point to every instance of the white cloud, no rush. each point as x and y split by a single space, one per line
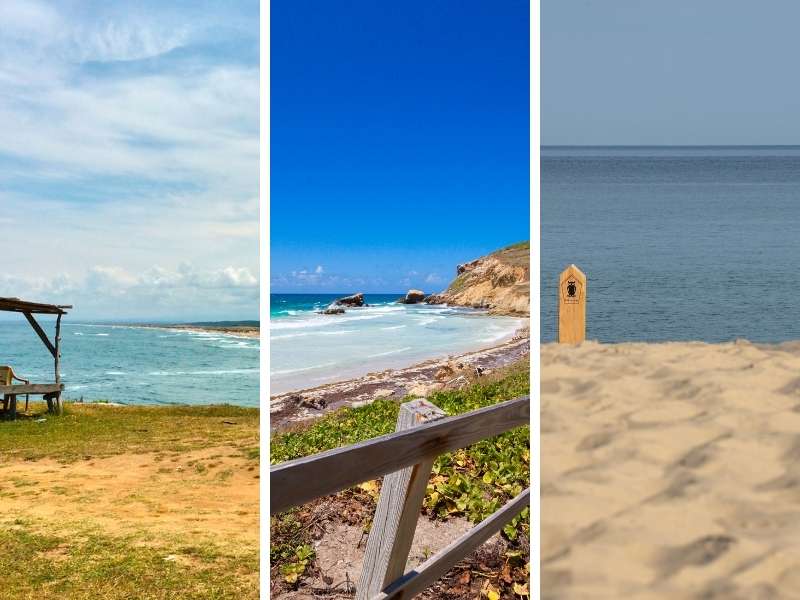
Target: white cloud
111 161
113 292
319 270
433 278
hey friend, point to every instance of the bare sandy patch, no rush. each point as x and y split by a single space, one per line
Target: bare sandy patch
206 495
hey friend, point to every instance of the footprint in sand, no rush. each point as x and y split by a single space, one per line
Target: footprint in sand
752 522
791 389
699 455
595 440
698 553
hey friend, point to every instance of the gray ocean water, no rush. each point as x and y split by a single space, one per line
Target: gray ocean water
678 243
134 365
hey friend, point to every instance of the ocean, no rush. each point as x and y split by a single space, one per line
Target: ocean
677 243
134 365
308 349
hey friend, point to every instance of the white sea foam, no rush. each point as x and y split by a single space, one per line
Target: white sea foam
390 352
210 372
302 369
309 349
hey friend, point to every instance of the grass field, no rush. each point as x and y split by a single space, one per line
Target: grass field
130 502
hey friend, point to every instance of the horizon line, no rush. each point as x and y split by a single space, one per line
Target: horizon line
669 145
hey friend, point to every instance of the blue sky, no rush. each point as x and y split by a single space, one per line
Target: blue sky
129 156
399 140
679 72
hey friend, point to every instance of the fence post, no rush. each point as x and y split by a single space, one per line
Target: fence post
571 306
397 512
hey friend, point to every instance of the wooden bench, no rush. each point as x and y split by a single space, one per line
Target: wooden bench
51 392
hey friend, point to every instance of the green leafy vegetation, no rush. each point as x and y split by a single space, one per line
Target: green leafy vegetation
472 482
292 570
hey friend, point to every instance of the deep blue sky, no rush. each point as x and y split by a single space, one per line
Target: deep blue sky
679 72
399 140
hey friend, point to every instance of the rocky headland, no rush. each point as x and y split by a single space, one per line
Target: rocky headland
499 282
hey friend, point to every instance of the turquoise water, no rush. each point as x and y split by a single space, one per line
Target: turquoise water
678 243
308 349
137 365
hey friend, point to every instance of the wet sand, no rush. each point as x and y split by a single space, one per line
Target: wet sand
670 471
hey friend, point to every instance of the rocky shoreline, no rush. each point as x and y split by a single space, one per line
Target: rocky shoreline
420 379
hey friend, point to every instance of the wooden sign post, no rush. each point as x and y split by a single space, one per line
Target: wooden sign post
571 306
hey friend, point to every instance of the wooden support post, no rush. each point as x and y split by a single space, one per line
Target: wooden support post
397 512
40 332
57 361
571 306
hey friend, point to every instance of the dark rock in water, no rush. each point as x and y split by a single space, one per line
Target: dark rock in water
332 310
354 300
413 297
435 299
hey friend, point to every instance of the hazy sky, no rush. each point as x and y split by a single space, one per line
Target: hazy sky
677 72
129 156
399 140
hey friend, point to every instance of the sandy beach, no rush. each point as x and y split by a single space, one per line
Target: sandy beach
670 470
421 378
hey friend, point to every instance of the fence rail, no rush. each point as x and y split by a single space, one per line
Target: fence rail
298 481
417 580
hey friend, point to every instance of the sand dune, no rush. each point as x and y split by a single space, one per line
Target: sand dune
671 471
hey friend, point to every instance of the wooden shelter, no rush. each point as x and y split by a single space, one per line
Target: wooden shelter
50 391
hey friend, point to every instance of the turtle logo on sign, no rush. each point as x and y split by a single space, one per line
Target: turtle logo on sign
571 291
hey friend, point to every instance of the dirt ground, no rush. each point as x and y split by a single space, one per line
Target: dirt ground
208 495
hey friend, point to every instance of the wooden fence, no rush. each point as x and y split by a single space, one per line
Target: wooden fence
405 457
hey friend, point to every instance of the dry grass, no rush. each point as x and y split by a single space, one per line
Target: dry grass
130 502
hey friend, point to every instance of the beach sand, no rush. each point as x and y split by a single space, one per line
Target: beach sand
670 470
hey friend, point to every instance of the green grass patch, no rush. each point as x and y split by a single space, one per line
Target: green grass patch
526 245
88 564
88 431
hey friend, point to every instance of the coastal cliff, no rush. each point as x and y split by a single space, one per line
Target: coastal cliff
499 281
